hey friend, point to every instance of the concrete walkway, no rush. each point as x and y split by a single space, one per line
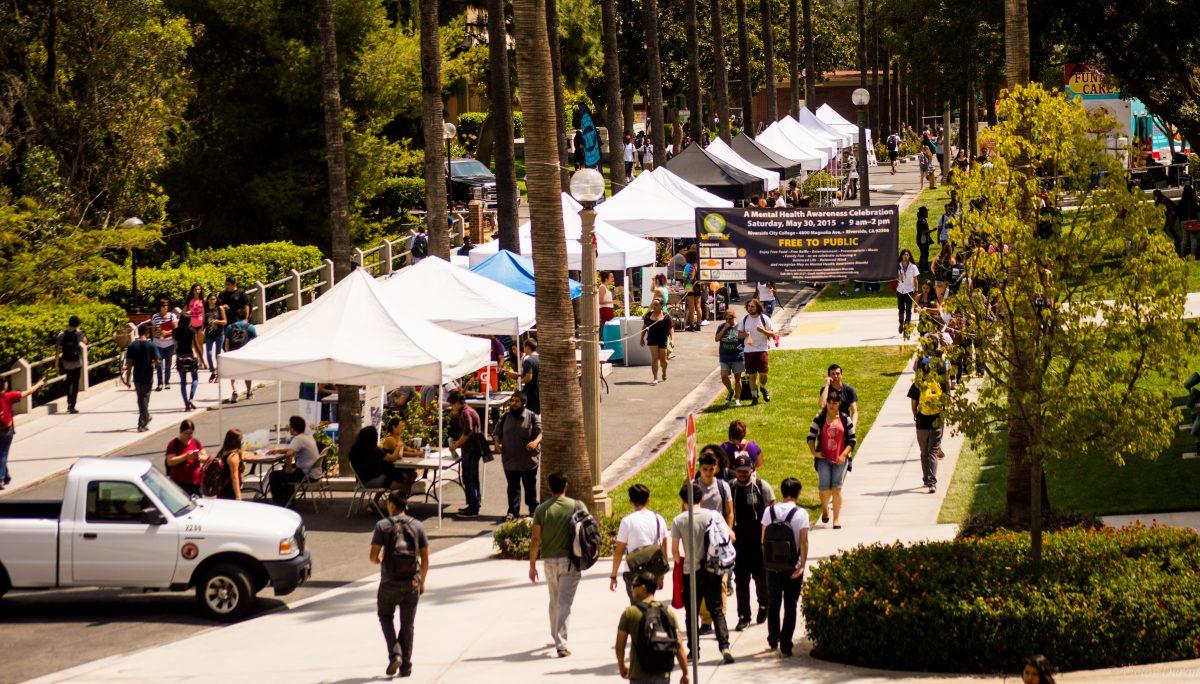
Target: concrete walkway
830 329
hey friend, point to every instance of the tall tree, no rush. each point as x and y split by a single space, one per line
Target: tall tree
720 72
1016 42
654 103
810 60
768 39
747 89
612 95
562 410
432 125
696 120
349 407
794 58
559 106
500 94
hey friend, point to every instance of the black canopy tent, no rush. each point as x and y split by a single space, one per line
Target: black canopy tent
749 149
698 167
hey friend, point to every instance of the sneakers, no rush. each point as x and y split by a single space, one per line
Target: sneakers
704 629
742 624
406 670
393 667
933 489
754 402
729 397
765 394
824 516
737 402
762 615
143 428
468 512
563 652
72 410
726 656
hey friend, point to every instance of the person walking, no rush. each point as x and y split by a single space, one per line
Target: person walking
627 154
831 440
906 288
849 396
8 399
658 334
928 395
641 542
687 549
577 149
924 238
141 358
221 476
214 333
184 457
730 358
400 548
751 496
235 301
757 331
925 163
654 629
785 553
1037 670
68 359
471 446
302 461
737 442
163 324
893 148
188 354
766 295
237 335
550 541
518 438
194 310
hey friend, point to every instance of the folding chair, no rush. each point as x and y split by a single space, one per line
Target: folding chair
314 490
364 495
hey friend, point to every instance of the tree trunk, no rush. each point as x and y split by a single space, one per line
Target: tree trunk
654 103
628 115
562 410
888 125
612 95
432 113
768 38
744 63
50 44
794 58
564 160
720 75
502 127
349 408
810 60
696 117
862 43
876 106
1016 42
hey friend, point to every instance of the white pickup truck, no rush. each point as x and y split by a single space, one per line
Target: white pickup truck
122 523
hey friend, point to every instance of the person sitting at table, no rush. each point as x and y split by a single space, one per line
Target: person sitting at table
302 460
394 448
370 464
185 454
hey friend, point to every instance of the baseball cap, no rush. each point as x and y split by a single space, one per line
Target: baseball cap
742 461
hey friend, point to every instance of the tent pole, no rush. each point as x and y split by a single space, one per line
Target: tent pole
441 391
625 280
279 412
220 409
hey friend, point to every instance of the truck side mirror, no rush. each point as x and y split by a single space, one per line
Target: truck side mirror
151 516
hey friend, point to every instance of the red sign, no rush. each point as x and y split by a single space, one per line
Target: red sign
691 446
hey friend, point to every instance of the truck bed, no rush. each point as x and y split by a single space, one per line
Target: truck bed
27 510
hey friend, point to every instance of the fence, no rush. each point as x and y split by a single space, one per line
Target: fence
268 300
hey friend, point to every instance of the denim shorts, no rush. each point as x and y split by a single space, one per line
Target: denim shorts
735 367
830 476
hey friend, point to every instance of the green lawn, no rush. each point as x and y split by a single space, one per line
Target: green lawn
780 426
829 300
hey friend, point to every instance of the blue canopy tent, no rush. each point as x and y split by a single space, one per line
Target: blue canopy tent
516 272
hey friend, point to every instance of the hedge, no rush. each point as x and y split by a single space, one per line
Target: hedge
1104 598
511 539
471 123
28 331
983 524
277 258
175 283
399 194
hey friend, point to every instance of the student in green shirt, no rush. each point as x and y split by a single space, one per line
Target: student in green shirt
644 585
551 523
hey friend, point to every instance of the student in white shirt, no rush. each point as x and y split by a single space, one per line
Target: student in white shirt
641 528
783 586
757 331
627 155
906 288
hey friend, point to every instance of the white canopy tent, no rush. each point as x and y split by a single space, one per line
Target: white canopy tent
719 149
692 194
779 142
458 300
826 144
352 336
829 116
810 120
648 208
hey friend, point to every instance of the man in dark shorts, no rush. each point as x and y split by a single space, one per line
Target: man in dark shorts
893 148
757 331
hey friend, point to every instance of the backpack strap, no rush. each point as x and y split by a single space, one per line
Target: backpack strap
790 514
774 518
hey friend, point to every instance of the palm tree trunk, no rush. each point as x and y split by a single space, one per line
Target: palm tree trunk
349 408
431 125
612 92
744 62
696 118
876 100
562 410
768 39
654 103
1016 42
794 58
628 115
720 75
810 60
564 159
500 93
886 93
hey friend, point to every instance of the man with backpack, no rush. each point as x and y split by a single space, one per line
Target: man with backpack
704 548
401 550
928 394
68 358
641 542
237 335
553 534
418 244
656 644
716 496
751 496
785 553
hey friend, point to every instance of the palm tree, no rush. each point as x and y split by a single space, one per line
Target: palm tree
612 94
431 126
696 122
562 411
744 63
794 58
559 106
502 127
720 72
810 60
654 104
768 59
1016 42
349 408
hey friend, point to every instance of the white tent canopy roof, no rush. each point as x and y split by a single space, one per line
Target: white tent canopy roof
799 133
351 336
616 250
830 116
810 121
458 300
648 207
777 141
692 194
725 153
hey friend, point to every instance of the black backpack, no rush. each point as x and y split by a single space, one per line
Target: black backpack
238 335
420 248
656 641
779 543
70 350
583 539
214 475
400 559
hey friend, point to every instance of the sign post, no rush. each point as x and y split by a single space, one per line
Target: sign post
694 612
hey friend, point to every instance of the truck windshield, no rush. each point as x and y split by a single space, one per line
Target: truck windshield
175 499
469 167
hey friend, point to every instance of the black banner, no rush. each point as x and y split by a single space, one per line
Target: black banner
806 245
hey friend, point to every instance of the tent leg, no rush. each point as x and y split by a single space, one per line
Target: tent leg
487 414
279 412
220 410
441 391
627 282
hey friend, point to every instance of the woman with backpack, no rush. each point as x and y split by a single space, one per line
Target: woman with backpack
214 333
221 476
188 354
737 442
163 324
184 458
924 237
831 441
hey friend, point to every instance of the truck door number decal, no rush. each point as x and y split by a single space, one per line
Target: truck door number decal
191 528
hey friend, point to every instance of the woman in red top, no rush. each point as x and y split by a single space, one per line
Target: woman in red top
8 398
831 441
194 309
185 455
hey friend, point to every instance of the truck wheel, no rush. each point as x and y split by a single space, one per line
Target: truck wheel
225 592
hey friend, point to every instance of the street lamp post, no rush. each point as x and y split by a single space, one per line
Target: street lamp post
448 132
861 97
587 186
133 222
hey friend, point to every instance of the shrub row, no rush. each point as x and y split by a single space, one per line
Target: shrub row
983 524
28 331
1104 598
277 258
471 123
511 539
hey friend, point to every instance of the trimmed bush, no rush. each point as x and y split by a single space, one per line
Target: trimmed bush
28 331
1105 598
398 195
511 539
983 524
174 283
276 258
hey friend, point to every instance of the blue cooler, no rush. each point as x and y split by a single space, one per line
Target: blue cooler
610 338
